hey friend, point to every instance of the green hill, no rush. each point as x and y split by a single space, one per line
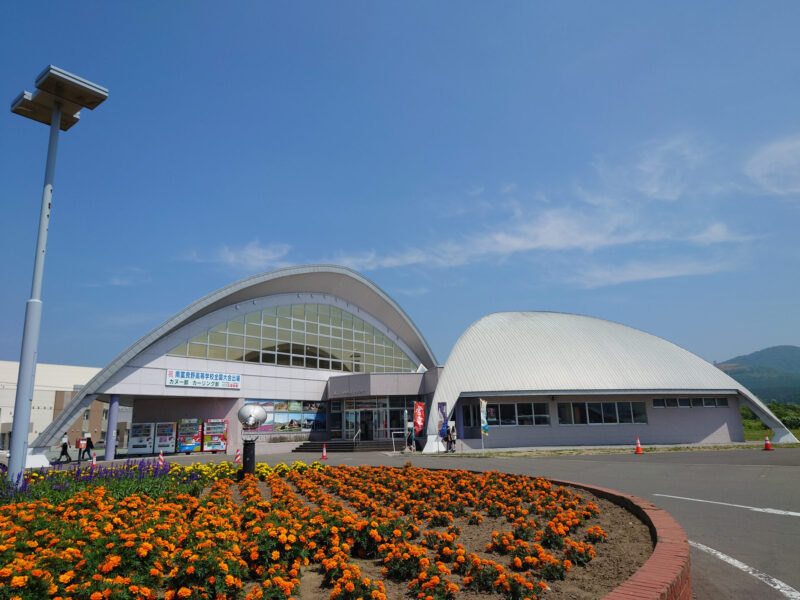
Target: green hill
771 374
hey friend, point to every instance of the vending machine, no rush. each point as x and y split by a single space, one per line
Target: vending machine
215 435
140 440
190 435
165 437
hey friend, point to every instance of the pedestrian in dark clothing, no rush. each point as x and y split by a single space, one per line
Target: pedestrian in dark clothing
64 448
87 449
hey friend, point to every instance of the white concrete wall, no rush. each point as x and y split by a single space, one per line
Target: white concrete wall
49 380
664 426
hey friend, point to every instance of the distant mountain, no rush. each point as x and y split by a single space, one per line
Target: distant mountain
771 374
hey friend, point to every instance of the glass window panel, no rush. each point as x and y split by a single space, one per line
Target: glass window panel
216 352
311 339
311 362
541 413
283 347
336 365
324 330
697 402
492 414
220 339
508 414
369 330
252 356
298 337
347 366
659 403
254 317
368 368
310 350
336 343
298 361
336 332
252 343
178 350
285 311
358 324
722 402
336 321
312 327
269 311
268 346
336 312
197 350
270 320
284 359
297 349
236 326
284 335
298 311
201 338
347 334
347 320
284 323
298 326
358 347
609 412
639 412
236 341
672 403
324 309
223 327
311 312
358 336
685 402
579 413
268 333
347 345
235 354
595 411
268 358
524 413
624 411
709 401
324 364
324 319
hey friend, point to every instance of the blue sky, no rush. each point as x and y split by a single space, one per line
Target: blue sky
633 161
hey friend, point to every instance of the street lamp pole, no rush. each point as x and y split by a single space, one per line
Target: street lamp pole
57 89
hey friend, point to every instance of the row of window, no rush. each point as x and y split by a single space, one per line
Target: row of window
689 402
316 336
519 413
599 413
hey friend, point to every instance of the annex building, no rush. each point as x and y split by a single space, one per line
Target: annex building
330 355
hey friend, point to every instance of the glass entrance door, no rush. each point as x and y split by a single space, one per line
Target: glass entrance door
352 423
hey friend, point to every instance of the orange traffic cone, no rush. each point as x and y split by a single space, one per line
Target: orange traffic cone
94 459
161 458
638 446
767 445
324 452
238 458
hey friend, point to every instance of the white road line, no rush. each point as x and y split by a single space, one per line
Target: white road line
786 590
772 511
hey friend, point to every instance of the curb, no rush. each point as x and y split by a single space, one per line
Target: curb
666 575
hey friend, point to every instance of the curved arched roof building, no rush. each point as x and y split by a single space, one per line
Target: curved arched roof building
326 320
585 380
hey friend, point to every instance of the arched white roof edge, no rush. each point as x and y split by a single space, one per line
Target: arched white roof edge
84 398
781 432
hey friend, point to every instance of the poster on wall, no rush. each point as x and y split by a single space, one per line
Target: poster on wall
215 435
190 435
140 440
166 435
287 422
203 379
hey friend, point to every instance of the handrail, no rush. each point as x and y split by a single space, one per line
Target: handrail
357 435
395 434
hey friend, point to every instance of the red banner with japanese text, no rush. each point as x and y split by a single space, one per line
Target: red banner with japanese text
419 417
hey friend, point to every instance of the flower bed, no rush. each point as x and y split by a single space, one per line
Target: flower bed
366 532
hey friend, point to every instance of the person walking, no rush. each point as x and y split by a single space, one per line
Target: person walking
87 449
64 448
451 439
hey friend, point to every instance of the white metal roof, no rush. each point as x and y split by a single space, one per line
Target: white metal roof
557 353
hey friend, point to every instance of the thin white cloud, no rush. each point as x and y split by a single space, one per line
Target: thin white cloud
475 191
124 277
251 257
718 233
633 271
420 291
775 167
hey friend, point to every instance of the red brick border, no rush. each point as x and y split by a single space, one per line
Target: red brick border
666 575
